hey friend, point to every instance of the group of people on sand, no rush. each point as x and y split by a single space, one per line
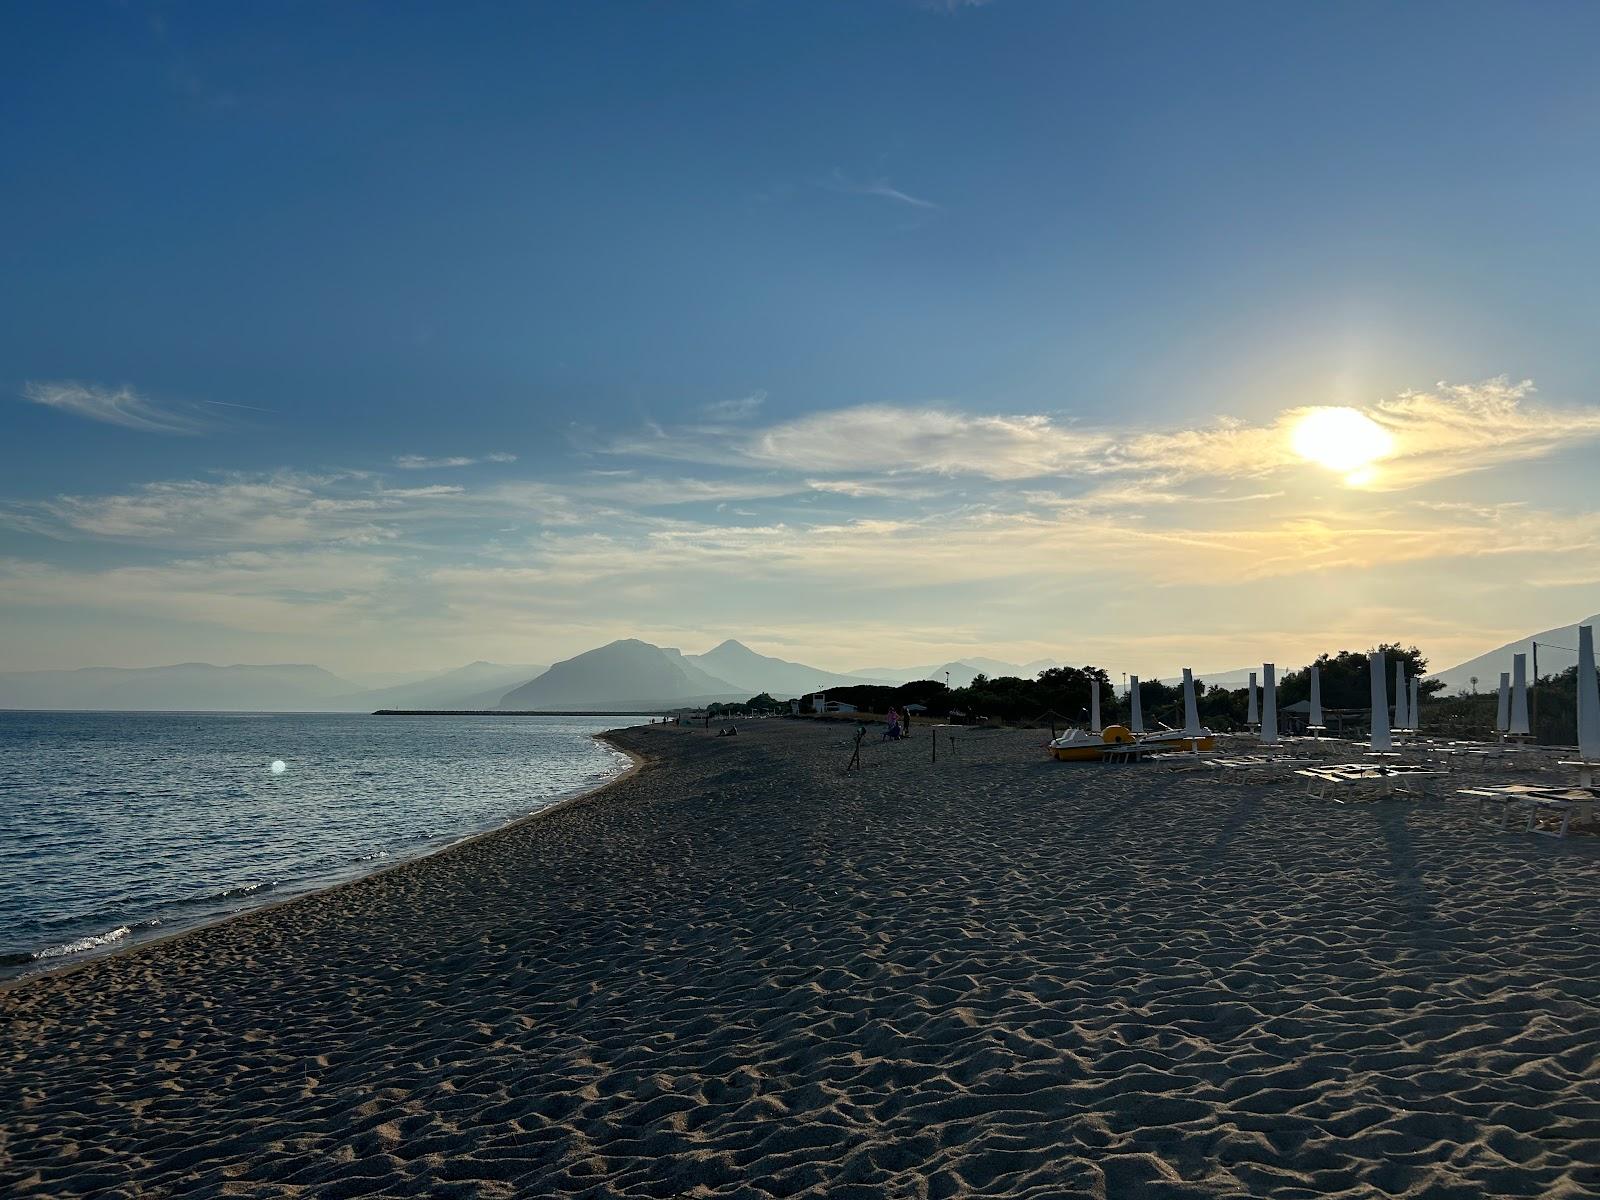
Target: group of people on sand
897 725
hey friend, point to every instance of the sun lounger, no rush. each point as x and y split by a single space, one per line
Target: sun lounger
1253 768
1551 811
1498 804
1586 770
1368 780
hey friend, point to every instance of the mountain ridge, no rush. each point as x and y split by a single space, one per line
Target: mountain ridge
1557 652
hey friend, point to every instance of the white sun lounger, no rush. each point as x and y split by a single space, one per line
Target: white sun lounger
1253 768
1550 811
1368 780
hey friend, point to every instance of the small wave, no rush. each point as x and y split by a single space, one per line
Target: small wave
79 945
243 891
240 892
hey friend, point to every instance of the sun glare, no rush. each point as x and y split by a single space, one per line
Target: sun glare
1343 440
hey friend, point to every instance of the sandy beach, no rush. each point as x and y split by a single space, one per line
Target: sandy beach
743 972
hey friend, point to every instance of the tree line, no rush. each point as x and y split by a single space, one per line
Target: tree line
1063 693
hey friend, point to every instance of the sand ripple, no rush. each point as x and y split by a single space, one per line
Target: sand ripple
753 975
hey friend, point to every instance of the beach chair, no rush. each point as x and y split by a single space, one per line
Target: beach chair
1254 768
1551 812
1498 804
1368 781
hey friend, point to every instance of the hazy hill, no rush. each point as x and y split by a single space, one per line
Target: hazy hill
1557 652
624 674
1231 680
284 687
474 686
754 673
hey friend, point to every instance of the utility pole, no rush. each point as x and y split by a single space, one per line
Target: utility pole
1535 693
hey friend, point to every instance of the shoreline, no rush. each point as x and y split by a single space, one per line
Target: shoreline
749 971
40 967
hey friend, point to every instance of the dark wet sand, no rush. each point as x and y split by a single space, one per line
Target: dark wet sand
741 972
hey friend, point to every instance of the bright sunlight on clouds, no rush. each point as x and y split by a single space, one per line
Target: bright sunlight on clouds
1014 522
1342 440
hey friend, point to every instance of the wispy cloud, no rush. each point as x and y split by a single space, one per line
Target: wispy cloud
273 509
1450 431
113 406
420 462
1454 429
838 181
739 409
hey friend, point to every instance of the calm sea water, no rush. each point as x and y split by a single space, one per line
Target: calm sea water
120 826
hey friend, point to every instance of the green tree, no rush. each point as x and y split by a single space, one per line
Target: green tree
1347 677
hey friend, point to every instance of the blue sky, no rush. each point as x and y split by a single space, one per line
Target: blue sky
350 333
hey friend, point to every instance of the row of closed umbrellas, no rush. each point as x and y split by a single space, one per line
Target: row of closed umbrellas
1511 717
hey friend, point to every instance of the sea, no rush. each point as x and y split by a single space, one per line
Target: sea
121 827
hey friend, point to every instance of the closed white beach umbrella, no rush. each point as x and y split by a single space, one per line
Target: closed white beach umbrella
1316 694
1402 718
1519 694
1135 712
1380 702
1588 698
1191 709
1416 702
1269 704
1502 716
1094 706
1253 715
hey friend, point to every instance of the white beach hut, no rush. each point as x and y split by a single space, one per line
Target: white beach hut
1135 711
1519 696
1316 698
1269 704
1094 707
1252 715
1381 741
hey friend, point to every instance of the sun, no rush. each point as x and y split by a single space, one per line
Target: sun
1343 440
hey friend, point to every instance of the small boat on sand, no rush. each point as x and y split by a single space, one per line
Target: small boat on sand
1081 745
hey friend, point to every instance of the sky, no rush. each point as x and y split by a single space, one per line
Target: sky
394 336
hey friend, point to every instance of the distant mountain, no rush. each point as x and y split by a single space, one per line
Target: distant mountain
372 681
474 686
754 673
624 674
1557 652
1231 680
282 687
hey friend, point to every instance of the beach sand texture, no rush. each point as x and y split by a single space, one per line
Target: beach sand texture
742 972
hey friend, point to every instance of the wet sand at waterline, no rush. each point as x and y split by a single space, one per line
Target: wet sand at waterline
742 972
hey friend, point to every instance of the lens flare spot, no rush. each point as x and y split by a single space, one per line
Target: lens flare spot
279 766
